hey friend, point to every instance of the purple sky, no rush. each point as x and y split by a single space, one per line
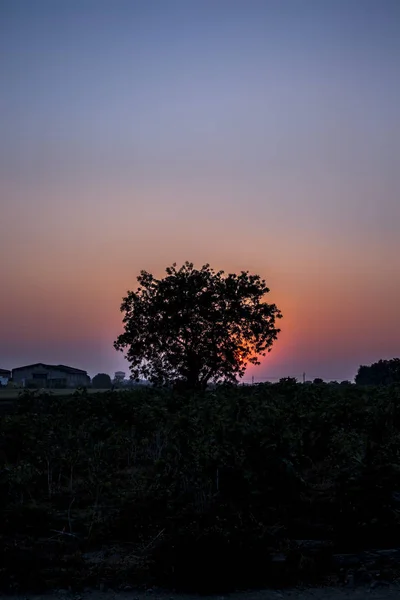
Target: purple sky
252 134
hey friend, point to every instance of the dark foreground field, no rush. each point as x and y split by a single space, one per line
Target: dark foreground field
387 592
10 394
271 485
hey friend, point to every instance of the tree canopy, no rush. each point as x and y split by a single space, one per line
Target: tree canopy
102 381
195 326
383 372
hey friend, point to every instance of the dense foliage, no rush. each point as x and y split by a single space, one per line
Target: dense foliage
383 372
194 490
102 381
196 326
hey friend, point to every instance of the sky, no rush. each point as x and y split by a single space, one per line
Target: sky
259 135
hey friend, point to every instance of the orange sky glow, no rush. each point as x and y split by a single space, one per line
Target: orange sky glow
246 136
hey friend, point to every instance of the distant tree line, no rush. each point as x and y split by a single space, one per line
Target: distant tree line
383 372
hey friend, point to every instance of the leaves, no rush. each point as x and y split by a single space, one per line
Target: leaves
383 372
196 326
101 381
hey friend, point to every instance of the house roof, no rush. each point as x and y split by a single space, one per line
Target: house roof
5 372
64 368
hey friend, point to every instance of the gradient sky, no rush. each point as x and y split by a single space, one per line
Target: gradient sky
261 135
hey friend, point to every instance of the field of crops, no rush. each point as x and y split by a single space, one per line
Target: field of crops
200 492
12 393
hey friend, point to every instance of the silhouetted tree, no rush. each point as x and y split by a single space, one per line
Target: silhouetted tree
292 381
101 381
318 381
196 326
383 372
119 380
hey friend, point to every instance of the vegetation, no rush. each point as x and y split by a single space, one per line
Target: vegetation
119 380
383 372
199 490
196 326
102 381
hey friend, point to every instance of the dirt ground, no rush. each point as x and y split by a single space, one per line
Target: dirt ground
377 592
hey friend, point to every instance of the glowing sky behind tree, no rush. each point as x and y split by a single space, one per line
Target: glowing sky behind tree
250 134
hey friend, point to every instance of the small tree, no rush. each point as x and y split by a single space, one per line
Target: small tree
119 379
101 381
196 326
